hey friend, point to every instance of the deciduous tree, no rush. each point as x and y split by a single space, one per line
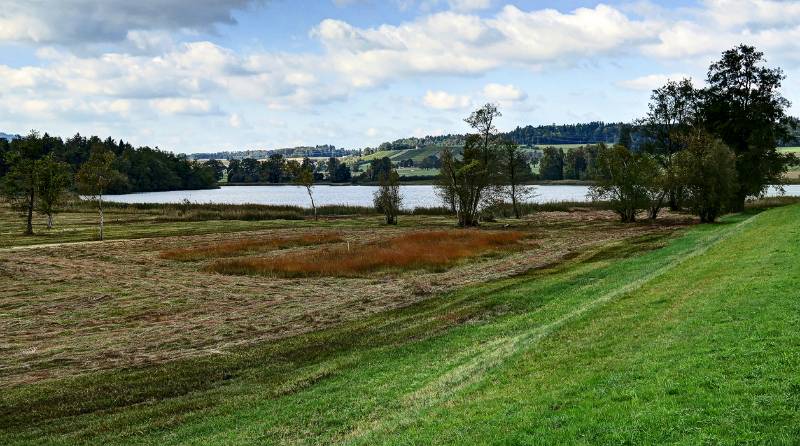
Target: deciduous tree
672 112
744 107
464 183
387 198
622 178
20 182
304 176
53 178
218 167
707 171
94 177
516 170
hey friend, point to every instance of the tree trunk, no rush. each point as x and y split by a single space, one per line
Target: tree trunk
29 227
313 206
514 201
102 220
737 205
673 200
49 221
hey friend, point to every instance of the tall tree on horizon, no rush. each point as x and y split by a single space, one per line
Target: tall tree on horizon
672 112
465 183
744 107
516 170
20 182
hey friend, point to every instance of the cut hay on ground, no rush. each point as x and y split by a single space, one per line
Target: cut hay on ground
237 247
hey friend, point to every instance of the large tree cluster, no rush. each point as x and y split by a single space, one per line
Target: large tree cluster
705 149
37 171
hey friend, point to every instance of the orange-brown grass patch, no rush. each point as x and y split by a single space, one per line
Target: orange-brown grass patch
247 245
432 249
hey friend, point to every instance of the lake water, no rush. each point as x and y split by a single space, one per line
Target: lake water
413 196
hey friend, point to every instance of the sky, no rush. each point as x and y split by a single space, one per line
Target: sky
201 75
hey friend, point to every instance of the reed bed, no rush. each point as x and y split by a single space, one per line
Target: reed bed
236 247
419 250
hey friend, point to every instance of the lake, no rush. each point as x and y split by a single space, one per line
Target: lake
413 195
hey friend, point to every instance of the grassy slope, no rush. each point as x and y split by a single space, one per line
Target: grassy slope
695 342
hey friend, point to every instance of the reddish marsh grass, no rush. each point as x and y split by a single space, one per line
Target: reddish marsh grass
248 245
434 249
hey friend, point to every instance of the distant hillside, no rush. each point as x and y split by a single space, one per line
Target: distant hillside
7 136
418 148
323 151
589 133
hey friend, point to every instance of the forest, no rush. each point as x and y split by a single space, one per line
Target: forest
140 169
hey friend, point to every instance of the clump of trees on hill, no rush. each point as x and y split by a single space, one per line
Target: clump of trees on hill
706 149
590 133
36 171
277 169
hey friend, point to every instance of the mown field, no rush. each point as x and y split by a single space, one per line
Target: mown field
591 332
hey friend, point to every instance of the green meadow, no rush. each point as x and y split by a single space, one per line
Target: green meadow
689 338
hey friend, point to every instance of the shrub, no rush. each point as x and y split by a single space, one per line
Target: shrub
623 177
707 171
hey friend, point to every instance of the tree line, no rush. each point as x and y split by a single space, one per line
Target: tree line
37 171
278 169
588 133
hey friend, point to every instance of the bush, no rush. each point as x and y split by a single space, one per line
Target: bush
706 170
623 180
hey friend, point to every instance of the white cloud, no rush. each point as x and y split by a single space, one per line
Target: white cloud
183 106
142 68
469 5
771 25
504 94
452 43
442 100
733 13
90 21
235 120
651 81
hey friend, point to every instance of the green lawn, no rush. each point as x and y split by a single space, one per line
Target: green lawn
789 149
417 172
693 343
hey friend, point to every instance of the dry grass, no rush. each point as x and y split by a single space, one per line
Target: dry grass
70 309
430 249
231 248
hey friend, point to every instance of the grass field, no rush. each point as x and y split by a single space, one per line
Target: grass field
656 335
417 172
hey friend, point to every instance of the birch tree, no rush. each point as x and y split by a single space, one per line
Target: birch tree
94 177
